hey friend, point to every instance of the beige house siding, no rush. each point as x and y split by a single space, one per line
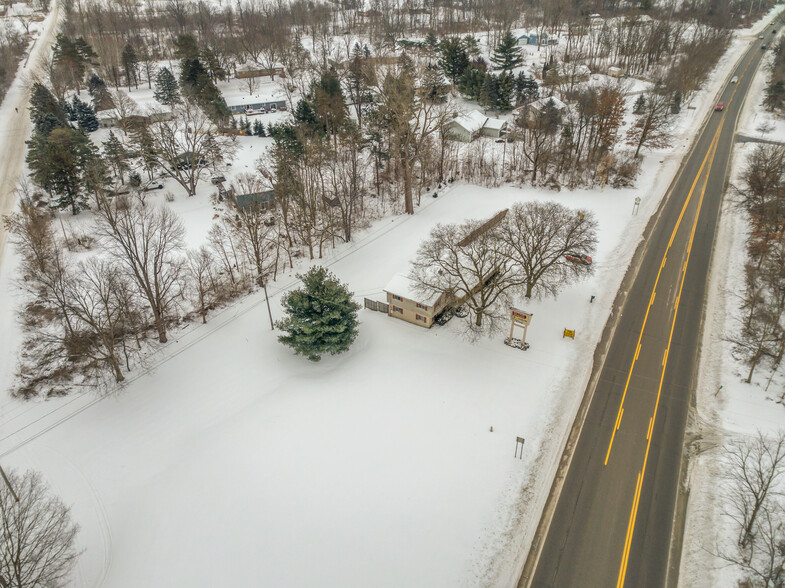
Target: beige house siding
412 311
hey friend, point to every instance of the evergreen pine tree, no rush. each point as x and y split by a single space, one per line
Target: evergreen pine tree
453 59
63 164
471 45
507 54
639 105
256 125
305 115
473 82
431 42
505 89
87 120
45 111
775 95
262 132
489 97
70 109
84 115
96 87
213 65
532 90
166 91
321 317
116 155
520 88
433 84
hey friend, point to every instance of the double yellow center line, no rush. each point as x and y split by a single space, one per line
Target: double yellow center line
639 484
708 159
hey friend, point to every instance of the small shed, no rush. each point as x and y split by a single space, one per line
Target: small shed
615 72
523 40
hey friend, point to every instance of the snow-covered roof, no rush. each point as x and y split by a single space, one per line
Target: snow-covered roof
405 287
539 103
496 124
472 121
236 97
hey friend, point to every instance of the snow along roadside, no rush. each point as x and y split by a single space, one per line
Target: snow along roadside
14 121
507 566
720 392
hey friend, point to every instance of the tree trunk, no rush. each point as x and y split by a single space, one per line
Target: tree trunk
407 185
118 374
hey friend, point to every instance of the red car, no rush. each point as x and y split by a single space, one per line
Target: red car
720 106
581 258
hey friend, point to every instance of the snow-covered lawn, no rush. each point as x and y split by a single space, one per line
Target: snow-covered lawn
234 460
231 462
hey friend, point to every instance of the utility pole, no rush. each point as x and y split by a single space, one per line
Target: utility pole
267 300
11 488
3 582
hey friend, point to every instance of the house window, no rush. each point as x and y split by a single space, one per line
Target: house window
423 306
422 318
397 309
396 297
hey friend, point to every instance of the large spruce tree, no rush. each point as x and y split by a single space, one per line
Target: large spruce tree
166 91
507 55
321 316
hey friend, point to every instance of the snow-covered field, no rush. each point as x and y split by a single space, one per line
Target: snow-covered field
727 408
231 462
234 460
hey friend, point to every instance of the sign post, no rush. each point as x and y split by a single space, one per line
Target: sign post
518 318
519 441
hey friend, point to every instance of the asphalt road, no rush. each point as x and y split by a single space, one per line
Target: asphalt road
613 520
15 124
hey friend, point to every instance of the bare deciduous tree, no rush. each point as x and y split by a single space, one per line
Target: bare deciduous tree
254 224
188 145
200 267
100 303
37 543
148 243
653 127
468 265
754 468
538 235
